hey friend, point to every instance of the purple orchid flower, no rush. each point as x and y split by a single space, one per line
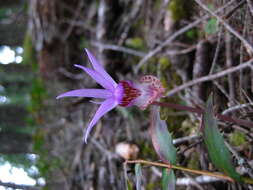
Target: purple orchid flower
124 93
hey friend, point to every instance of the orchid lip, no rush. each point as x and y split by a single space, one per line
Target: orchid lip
130 93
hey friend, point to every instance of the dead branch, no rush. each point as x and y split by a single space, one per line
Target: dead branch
210 77
247 45
174 36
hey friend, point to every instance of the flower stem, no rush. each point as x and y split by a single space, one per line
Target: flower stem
199 111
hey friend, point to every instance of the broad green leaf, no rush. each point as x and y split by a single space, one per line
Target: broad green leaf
217 150
161 138
168 179
138 175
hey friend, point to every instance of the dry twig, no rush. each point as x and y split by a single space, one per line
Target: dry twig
250 4
248 46
210 77
175 35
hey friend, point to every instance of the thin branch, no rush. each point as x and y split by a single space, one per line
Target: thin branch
237 107
241 77
137 52
71 24
223 90
185 139
248 46
69 74
229 64
200 179
230 13
179 52
250 4
217 50
199 172
199 111
77 23
186 181
210 77
119 48
130 18
170 166
158 18
103 150
174 36
101 28
193 181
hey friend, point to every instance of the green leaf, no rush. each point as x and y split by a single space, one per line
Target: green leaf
211 27
138 175
136 43
161 138
168 179
192 34
129 185
217 150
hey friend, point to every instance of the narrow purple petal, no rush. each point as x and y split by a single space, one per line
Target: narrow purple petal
105 107
93 93
100 69
97 77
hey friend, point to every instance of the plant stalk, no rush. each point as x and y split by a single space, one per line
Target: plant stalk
199 111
